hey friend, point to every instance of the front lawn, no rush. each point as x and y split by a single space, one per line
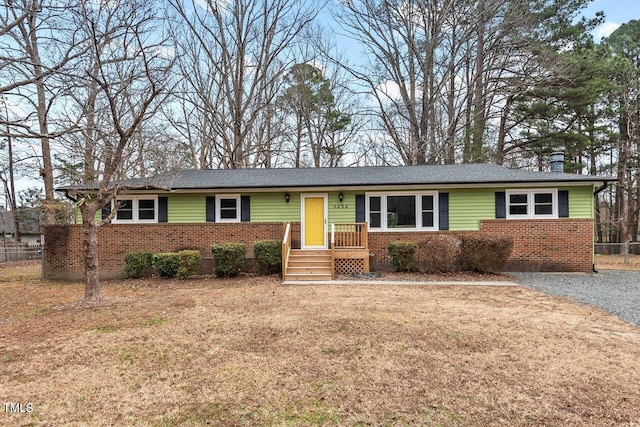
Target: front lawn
249 351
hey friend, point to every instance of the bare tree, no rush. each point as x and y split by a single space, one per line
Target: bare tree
442 76
234 56
407 71
38 45
125 61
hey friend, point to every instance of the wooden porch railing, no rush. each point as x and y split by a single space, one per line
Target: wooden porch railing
349 235
286 249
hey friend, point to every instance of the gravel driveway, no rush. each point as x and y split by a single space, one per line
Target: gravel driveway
615 291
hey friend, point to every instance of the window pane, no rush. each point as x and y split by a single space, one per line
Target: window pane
374 204
228 209
125 204
228 203
125 210
427 219
146 204
544 209
518 198
427 203
228 214
543 198
374 220
401 211
124 214
518 209
146 209
147 214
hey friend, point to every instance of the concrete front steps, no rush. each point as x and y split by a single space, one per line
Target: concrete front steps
308 265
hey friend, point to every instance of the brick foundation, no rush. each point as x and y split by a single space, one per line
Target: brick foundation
63 257
539 245
547 245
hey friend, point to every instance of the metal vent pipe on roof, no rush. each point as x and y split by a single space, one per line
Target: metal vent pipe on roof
557 162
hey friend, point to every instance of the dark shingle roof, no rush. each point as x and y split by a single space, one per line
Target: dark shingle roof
347 177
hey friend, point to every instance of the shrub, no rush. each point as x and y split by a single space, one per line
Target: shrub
189 263
402 255
437 253
268 255
228 258
136 263
166 264
485 253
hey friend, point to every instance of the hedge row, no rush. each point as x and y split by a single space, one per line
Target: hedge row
228 260
182 264
479 252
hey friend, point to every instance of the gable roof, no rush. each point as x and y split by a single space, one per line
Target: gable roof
223 179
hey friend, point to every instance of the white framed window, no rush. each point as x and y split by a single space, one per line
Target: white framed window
532 203
402 211
228 208
136 209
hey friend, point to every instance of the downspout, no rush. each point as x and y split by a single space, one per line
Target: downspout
68 196
595 194
599 190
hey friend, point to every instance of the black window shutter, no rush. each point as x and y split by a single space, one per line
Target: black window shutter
563 204
106 210
211 208
163 213
443 211
245 208
501 204
360 210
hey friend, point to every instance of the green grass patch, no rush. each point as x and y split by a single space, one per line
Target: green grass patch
107 329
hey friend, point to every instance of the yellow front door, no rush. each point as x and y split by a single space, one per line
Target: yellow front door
314 222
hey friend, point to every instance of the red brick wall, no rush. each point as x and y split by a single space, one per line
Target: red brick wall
539 245
547 245
63 258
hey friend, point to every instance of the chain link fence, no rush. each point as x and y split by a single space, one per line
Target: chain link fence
20 253
618 255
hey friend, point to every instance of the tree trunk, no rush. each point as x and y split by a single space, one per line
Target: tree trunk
478 95
623 209
12 187
46 172
90 251
502 131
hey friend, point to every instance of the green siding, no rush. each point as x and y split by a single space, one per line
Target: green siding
271 207
97 217
468 206
344 211
580 202
182 208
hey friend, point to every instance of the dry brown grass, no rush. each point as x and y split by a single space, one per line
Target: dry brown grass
616 262
249 351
